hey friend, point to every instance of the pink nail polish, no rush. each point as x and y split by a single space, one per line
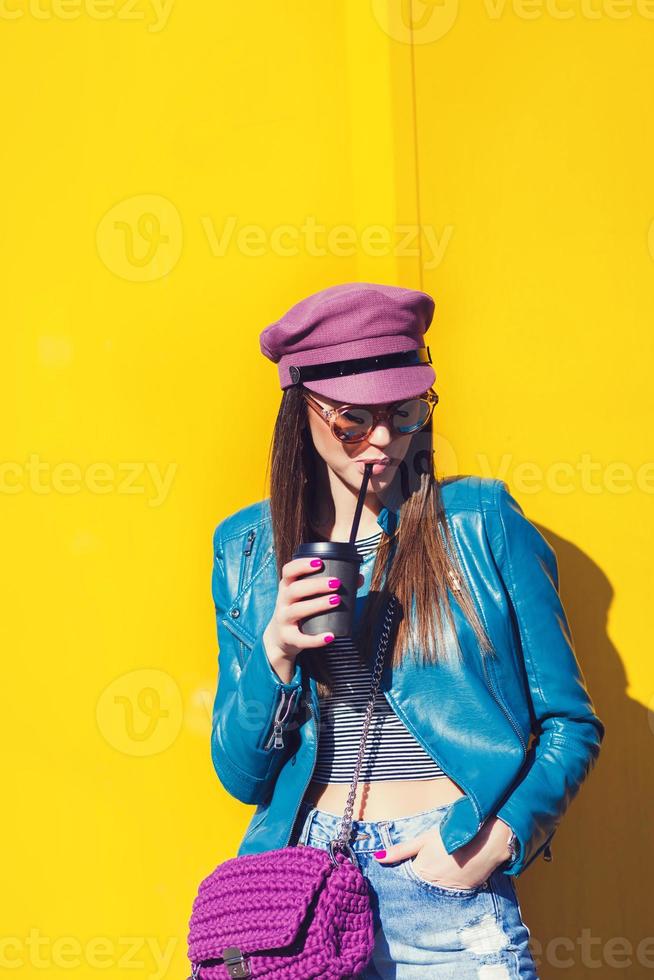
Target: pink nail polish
334 583
328 637
379 854
315 562
334 599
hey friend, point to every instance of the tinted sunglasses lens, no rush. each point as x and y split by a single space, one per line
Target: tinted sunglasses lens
353 424
411 415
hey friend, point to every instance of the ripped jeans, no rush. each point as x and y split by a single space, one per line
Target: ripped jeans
424 930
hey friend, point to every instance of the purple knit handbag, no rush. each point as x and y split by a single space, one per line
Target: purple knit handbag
295 913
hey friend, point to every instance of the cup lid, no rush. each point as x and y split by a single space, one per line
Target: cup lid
342 550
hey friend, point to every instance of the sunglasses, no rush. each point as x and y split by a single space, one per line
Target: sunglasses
354 423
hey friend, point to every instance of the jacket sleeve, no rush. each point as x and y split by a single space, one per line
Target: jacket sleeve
569 733
250 699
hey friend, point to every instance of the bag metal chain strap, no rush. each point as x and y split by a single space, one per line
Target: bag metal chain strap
341 842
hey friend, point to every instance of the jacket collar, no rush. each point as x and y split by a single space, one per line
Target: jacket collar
388 519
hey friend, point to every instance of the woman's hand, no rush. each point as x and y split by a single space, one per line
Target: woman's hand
282 638
466 867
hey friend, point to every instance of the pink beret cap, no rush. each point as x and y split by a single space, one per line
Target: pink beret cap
358 342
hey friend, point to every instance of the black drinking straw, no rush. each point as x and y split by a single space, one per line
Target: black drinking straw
359 507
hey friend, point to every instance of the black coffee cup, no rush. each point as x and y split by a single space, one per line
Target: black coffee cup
340 560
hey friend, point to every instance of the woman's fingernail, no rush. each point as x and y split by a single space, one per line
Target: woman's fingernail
334 599
316 562
379 854
328 637
334 583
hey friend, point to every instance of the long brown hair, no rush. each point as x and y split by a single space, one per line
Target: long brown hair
414 561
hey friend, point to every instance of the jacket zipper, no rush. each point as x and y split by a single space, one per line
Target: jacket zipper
544 848
456 587
247 551
430 752
505 712
276 737
309 706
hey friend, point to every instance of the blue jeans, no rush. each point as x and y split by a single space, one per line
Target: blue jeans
424 930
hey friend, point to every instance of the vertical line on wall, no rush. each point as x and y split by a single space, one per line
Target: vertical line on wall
373 140
416 163
403 93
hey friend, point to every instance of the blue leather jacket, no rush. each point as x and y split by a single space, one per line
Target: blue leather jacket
516 730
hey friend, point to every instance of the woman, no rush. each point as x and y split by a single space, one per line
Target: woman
454 800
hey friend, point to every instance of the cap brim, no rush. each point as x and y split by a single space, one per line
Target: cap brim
376 387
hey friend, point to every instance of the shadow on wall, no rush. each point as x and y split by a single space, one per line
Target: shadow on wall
589 910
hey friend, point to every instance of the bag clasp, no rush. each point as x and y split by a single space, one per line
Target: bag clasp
235 963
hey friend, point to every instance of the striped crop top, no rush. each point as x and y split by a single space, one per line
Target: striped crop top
391 751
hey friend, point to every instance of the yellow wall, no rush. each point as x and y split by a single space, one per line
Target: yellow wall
534 162
139 143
